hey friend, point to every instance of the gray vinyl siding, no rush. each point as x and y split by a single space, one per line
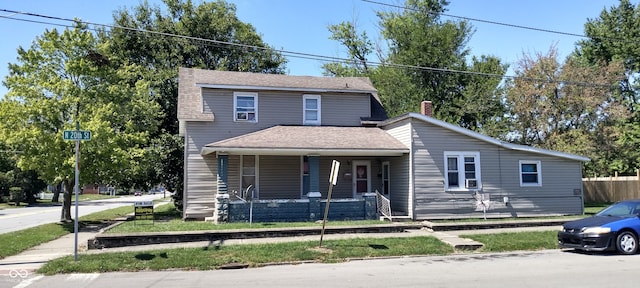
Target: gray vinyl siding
399 178
401 131
344 186
274 108
279 177
233 176
200 180
344 109
401 193
499 170
282 108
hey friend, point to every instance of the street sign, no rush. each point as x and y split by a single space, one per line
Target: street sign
77 135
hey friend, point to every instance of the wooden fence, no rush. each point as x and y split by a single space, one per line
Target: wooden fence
611 189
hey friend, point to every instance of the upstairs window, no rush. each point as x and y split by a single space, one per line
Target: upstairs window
530 173
311 109
245 107
462 171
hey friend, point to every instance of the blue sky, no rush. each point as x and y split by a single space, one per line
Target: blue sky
301 25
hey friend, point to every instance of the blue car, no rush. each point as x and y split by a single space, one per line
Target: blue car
616 228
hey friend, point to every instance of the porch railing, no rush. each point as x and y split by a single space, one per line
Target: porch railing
384 205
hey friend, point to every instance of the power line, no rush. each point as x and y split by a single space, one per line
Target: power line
500 23
282 51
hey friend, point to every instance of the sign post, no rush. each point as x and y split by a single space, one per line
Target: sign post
77 135
333 180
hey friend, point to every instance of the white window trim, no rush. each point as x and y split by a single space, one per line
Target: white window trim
304 109
235 105
539 172
461 177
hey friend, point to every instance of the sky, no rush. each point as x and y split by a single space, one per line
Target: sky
301 25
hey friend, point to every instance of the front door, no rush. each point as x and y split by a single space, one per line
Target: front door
361 178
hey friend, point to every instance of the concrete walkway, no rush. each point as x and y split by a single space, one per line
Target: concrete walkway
34 258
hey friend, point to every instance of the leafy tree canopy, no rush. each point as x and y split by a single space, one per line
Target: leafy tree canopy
211 37
420 53
66 78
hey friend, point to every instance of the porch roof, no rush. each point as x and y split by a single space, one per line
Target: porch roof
311 140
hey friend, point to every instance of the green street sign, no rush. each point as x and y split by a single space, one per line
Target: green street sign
77 135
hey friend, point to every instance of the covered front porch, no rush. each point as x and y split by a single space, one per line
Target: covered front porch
279 175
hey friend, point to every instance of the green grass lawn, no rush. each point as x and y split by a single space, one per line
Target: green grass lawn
15 242
593 208
253 255
534 240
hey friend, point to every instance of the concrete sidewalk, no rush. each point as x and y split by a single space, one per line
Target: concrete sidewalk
34 258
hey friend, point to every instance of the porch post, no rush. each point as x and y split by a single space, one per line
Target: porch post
223 168
315 211
314 174
221 212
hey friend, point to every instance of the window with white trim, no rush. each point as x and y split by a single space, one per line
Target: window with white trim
245 107
530 173
311 109
462 171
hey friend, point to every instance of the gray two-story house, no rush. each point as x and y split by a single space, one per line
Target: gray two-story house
270 140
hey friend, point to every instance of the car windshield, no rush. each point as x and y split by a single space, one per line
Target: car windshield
622 209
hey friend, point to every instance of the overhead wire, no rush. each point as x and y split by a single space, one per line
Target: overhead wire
500 23
292 54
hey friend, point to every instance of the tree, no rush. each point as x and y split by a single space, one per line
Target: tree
417 37
422 52
6 165
565 106
614 36
162 55
65 78
358 47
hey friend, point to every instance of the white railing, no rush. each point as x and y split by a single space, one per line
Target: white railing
384 205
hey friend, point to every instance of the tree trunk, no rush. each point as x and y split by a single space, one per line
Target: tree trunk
65 216
56 193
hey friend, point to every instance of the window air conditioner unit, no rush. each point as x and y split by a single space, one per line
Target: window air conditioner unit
471 183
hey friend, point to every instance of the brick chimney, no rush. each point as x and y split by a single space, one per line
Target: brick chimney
426 108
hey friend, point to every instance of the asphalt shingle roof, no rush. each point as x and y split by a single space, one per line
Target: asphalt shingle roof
313 138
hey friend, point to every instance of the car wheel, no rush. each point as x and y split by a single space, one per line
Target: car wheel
627 243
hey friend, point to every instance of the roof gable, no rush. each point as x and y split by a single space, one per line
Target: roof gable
482 137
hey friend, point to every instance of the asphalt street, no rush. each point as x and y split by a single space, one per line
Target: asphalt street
547 268
22 218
